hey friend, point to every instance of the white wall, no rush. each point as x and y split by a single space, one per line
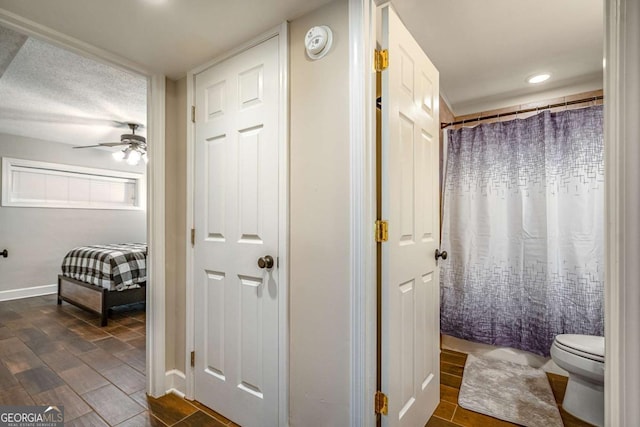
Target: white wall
38 238
176 223
319 225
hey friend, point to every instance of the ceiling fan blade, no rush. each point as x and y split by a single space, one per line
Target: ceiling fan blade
103 144
17 114
112 144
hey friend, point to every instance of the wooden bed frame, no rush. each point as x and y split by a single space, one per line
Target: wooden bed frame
96 299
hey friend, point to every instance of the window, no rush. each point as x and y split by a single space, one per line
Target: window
29 183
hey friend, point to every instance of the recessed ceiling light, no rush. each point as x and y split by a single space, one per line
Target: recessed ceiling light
538 78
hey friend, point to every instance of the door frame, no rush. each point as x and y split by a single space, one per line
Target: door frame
155 302
621 267
362 168
282 32
622 55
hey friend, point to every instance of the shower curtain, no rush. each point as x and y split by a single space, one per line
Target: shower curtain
523 225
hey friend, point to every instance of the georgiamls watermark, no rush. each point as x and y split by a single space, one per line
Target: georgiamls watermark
32 416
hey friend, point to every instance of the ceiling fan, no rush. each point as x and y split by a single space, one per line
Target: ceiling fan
135 150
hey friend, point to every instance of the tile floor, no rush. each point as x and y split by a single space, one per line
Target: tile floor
449 414
59 355
54 354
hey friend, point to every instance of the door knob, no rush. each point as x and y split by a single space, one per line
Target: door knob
4 253
266 262
442 254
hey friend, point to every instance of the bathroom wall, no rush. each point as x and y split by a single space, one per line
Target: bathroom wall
446 115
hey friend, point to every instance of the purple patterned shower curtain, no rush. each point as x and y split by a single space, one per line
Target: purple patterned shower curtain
523 226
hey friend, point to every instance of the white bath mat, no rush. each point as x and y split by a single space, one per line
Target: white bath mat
509 391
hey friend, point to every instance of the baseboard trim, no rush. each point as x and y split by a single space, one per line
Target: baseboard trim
34 291
175 382
176 392
503 353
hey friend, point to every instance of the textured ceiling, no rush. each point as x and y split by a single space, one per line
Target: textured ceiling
10 44
52 94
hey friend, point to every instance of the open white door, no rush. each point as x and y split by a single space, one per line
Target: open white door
410 293
236 276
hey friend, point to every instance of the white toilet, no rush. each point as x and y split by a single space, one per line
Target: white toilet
583 357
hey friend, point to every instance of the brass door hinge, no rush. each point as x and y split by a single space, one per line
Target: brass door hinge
381 60
193 359
193 237
193 113
381 403
382 231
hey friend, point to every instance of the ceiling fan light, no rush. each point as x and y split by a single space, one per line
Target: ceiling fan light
118 155
134 157
145 158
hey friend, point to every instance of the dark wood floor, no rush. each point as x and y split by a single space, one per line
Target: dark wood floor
449 414
58 355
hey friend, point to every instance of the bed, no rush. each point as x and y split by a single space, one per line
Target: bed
99 277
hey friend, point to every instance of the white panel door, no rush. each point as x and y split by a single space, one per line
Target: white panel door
236 221
410 293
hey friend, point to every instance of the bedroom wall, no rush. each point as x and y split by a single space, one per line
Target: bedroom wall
320 342
38 238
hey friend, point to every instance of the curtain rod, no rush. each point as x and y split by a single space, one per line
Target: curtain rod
528 110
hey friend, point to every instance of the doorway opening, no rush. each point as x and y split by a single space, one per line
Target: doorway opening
146 329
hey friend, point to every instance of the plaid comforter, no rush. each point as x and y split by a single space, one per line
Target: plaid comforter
115 267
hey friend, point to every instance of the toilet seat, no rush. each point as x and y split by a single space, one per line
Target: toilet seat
587 346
